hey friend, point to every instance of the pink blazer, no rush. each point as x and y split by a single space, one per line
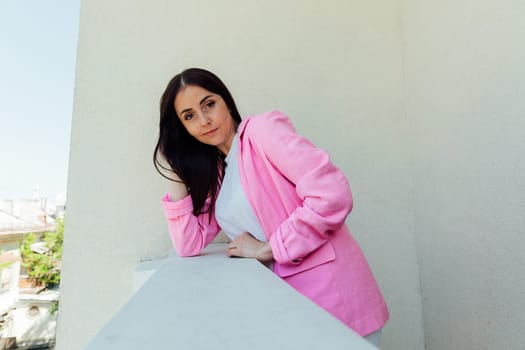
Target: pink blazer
301 200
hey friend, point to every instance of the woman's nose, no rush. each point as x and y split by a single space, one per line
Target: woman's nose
204 119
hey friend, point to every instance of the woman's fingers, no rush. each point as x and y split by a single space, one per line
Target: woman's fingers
231 252
247 246
244 246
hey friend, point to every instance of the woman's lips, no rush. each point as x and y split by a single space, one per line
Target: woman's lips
211 132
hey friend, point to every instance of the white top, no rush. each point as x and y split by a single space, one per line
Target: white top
232 209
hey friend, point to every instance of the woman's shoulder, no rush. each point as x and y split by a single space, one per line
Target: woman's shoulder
264 122
267 116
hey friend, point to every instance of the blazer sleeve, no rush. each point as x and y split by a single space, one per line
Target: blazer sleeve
189 234
321 186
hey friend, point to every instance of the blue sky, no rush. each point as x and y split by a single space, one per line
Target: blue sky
38 41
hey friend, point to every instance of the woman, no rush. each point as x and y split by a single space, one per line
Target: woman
277 196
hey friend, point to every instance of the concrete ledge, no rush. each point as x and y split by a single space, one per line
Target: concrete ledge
213 302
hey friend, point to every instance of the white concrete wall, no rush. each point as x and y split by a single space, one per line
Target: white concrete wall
334 66
466 104
293 321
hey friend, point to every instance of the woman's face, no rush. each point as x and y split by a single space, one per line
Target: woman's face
206 117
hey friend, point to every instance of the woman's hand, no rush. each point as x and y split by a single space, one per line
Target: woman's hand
246 246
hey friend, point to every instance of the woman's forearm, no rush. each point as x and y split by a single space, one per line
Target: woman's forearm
178 189
264 253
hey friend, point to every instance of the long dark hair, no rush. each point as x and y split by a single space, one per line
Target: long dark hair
199 166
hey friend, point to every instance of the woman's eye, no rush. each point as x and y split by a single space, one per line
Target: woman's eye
209 104
188 116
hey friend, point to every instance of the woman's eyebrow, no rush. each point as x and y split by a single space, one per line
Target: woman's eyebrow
189 109
205 98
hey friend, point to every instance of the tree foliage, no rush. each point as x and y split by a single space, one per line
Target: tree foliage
44 267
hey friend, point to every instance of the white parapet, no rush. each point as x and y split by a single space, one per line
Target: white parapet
214 302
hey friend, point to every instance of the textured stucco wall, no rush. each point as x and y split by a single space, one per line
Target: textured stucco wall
465 102
335 67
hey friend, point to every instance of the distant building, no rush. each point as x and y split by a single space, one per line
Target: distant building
26 319
25 215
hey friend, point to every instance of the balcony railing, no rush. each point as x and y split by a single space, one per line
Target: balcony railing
214 302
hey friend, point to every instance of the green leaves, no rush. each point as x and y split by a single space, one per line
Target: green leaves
45 266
